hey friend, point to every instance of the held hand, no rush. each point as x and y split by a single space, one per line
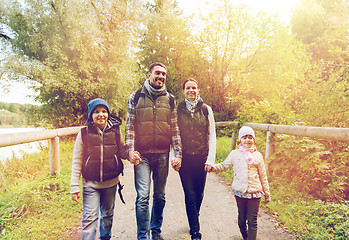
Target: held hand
176 163
137 158
75 197
208 168
134 157
267 199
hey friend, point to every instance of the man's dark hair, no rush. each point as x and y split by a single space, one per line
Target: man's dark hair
151 66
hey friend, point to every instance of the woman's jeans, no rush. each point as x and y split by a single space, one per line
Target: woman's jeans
158 164
93 200
193 178
248 210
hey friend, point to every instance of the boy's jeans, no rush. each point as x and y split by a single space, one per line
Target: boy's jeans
158 164
93 200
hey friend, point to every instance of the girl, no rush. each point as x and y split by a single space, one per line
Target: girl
198 135
250 181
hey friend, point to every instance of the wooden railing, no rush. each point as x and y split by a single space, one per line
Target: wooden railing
52 135
340 134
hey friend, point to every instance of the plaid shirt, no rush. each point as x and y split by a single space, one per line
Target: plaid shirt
130 128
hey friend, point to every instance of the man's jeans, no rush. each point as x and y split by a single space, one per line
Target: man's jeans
248 211
93 200
158 164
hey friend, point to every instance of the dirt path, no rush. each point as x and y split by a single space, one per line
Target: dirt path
218 215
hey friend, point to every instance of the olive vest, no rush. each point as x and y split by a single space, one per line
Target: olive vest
101 161
194 130
153 123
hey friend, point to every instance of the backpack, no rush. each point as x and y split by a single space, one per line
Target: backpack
120 169
204 110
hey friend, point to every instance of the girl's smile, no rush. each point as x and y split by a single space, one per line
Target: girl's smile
247 141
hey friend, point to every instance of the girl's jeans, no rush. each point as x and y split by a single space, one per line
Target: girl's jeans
248 210
93 200
157 164
193 178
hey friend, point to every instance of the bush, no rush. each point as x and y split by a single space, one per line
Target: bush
315 167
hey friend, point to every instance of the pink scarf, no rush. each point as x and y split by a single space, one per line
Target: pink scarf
247 152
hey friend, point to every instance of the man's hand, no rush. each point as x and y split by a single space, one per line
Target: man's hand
176 163
75 197
134 157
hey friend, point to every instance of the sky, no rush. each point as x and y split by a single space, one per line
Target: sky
20 93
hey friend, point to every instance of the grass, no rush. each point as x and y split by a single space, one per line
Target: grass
36 205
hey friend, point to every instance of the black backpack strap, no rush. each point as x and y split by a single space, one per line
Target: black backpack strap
137 95
204 110
120 186
172 101
120 194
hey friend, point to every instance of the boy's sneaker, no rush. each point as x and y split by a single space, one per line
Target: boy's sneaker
158 237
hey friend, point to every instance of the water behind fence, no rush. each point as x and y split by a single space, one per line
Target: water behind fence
18 150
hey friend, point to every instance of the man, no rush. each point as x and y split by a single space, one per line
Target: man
151 128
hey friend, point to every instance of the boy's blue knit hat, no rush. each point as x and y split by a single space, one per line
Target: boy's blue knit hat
94 103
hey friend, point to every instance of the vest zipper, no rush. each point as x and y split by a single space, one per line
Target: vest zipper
154 123
101 166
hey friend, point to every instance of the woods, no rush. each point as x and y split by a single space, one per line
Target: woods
251 66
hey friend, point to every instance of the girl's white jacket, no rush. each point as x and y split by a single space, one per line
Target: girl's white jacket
248 178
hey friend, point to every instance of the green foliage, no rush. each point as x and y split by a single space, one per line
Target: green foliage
168 39
29 211
34 204
223 150
11 119
312 167
313 219
19 115
321 26
75 51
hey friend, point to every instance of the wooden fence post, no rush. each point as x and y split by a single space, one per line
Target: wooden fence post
54 155
269 149
233 140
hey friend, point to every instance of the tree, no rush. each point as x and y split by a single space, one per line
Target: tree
75 50
323 27
169 39
252 59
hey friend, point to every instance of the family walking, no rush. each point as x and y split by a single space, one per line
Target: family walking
158 134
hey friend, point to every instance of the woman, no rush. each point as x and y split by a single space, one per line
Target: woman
198 135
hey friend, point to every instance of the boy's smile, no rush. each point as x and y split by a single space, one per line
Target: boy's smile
100 116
